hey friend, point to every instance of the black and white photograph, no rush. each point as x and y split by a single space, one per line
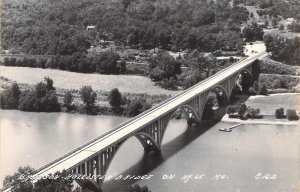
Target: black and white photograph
150 96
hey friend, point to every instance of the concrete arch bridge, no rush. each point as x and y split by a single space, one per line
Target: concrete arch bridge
149 128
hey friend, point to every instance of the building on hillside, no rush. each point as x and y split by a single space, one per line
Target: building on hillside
90 27
289 21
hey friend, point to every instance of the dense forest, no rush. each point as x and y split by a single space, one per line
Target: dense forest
54 27
275 8
284 50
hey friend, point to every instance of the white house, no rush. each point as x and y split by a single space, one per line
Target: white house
90 27
290 21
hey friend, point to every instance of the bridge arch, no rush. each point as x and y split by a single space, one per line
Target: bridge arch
191 116
221 90
147 141
242 82
189 113
140 137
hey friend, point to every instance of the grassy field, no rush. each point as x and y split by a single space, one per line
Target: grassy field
71 80
283 33
268 104
270 66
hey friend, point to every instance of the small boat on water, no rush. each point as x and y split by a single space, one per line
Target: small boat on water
230 128
225 130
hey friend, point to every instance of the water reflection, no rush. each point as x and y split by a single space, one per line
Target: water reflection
36 138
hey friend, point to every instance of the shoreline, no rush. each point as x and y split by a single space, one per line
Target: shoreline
270 95
260 121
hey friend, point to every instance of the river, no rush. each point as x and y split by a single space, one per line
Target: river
236 158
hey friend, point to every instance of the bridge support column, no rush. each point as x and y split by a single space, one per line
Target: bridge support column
202 101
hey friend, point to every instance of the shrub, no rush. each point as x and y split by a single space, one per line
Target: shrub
231 110
279 113
291 114
252 91
170 83
88 97
122 67
135 107
262 89
253 113
157 74
242 109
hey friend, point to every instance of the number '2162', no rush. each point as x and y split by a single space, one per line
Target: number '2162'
260 176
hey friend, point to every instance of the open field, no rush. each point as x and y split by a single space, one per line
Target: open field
268 104
72 80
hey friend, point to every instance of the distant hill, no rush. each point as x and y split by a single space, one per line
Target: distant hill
59 26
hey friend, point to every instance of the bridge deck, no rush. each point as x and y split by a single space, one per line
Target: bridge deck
134 124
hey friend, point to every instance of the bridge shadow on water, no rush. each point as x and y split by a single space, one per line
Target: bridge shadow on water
152 160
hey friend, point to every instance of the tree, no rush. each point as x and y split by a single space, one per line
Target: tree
9 99
41 98
122 67
157 74
107 63
18 184
49 83
68 99
163 66
135 107
115 99
50 185
253 32
88 97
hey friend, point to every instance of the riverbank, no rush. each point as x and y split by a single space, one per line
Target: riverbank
102 106
267 121
268 105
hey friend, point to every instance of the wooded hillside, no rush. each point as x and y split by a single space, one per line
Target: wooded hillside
59 26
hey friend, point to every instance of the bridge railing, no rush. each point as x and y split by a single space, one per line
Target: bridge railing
133 119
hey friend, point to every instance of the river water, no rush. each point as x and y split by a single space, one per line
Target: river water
226 161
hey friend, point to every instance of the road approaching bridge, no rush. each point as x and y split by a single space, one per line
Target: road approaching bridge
94 157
